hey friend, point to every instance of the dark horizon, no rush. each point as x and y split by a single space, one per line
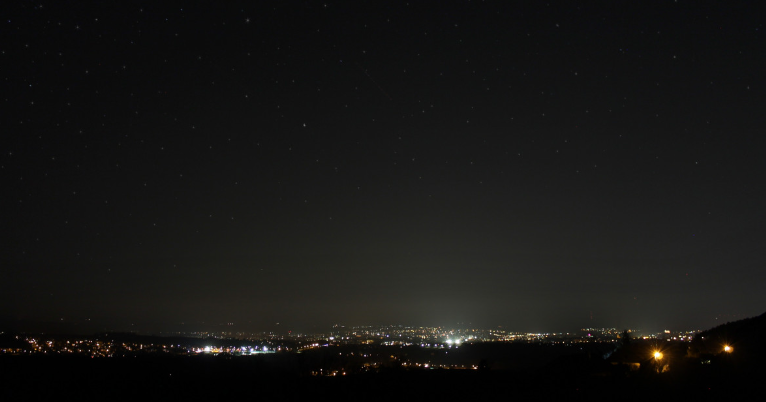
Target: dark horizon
301 163
89 327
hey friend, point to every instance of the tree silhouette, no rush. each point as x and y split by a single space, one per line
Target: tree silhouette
625 339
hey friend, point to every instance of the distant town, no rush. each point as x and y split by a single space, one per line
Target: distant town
245 344
389 362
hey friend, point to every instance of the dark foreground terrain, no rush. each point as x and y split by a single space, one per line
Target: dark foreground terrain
245 378
724 363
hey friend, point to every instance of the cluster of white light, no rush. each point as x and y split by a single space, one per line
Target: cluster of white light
244 350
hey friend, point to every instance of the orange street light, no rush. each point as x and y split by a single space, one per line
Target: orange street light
727 349
657 355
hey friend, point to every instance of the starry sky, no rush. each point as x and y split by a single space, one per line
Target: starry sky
279 164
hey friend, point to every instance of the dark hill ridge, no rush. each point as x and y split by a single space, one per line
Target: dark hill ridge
698 371
746 338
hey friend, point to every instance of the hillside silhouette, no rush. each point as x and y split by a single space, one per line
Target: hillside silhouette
628 370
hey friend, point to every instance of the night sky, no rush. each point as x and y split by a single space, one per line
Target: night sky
544 167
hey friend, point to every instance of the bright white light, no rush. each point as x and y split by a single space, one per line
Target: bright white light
449 341
265 349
